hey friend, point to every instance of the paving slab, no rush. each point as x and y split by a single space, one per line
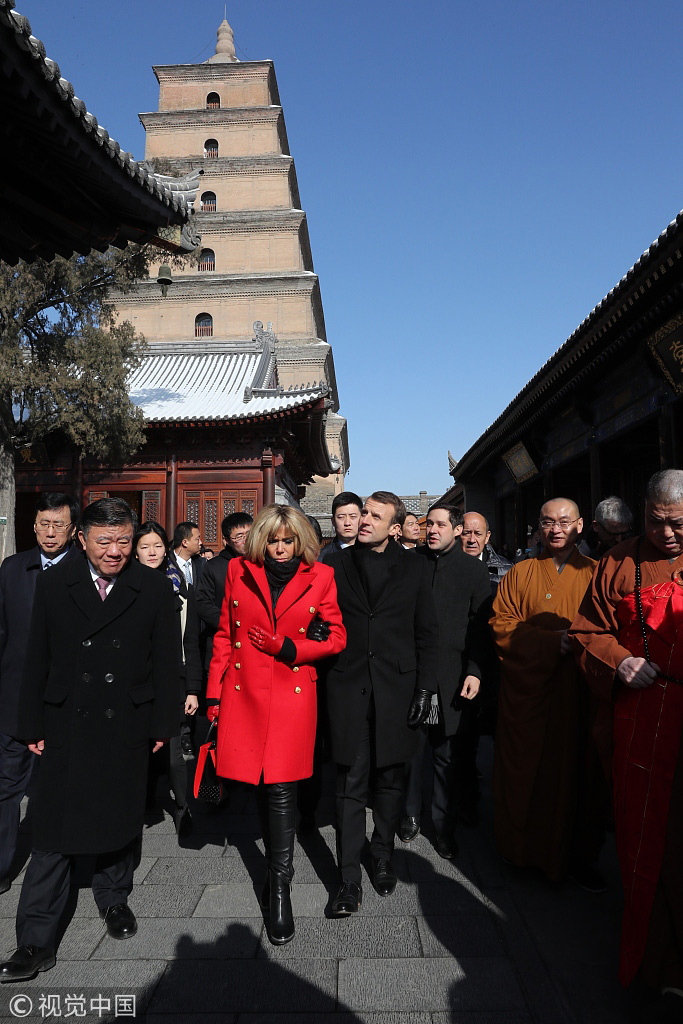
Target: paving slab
349 937
470 934
485 983
197 986
174 938
82 938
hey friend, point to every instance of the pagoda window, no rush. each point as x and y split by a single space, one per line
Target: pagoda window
213 101
207 260
203 326
208 202
211 149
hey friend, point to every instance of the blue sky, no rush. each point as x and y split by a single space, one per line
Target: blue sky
477 176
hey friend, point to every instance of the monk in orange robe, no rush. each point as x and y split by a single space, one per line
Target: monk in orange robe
629 639
543 767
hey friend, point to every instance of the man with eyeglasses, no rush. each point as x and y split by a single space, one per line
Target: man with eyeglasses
546 769
628 635
611 524
210 590
55 520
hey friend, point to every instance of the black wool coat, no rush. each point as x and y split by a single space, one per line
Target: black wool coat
391 649
18 575
102 679
462 596
210 592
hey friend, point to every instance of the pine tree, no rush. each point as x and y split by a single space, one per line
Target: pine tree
65 359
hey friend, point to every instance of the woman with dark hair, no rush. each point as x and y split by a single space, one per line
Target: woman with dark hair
279 616
150 546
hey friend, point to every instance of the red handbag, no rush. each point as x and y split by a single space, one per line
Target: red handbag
208 786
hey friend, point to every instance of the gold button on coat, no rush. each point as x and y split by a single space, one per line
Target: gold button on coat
237 686
295 669
297 689
311 609
302 630
237 665
238 644
237 622
235 603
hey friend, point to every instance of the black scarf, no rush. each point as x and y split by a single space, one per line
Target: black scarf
374 567
279 575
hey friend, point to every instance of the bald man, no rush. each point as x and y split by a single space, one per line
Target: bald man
543 769
475 538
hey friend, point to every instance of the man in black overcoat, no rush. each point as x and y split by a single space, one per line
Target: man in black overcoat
378 689
101 679
210 590
461 590
55 521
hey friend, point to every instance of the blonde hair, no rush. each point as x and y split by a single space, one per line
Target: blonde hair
266 525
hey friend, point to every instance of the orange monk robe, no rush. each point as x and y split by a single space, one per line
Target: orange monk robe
541 712
649 785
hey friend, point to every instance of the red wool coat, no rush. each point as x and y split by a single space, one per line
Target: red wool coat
267 716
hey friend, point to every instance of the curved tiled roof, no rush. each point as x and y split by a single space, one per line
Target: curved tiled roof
567 360
79 112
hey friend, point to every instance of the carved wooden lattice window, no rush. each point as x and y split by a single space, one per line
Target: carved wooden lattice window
210 531
96 495
151 506
192 507
248 503
229 502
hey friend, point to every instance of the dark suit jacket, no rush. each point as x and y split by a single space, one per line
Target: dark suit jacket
462 596
101 679
391 649
18 575
198 566
210 592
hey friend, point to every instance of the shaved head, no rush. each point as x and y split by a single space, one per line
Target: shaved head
567 502
560 524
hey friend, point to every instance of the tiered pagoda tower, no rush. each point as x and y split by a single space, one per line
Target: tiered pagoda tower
225 118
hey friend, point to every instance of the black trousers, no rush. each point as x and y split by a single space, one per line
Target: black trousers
45 891
355 783
276 803
456 785
16 764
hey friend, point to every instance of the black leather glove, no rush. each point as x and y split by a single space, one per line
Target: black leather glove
418 713
318 631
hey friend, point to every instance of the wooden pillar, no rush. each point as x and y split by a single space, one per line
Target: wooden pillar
596 479
268 470
77 480
666 442
171 493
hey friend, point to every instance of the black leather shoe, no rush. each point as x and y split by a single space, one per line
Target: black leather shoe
280 924
26 962
183 823
348 900
446 847
264 898
5 885
383 876
120 921
409 828
186 747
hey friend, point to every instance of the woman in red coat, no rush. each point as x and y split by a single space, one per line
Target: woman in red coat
279 616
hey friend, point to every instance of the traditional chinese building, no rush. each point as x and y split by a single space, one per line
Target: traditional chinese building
602 415
224 120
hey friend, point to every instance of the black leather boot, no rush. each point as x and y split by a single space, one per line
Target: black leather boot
281 818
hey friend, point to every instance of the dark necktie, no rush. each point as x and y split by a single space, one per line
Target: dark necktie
102 584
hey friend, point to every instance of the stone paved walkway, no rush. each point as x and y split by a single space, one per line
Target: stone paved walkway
467 942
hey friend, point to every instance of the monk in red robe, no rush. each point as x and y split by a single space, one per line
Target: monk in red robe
629 638
543 770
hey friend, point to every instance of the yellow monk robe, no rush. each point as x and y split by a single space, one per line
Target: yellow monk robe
541 735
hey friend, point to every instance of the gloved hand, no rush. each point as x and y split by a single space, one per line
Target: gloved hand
318 631
267 642
212 712
418 713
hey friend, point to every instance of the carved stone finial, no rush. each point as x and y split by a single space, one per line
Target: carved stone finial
225 45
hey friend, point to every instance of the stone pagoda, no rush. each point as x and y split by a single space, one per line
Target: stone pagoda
224 118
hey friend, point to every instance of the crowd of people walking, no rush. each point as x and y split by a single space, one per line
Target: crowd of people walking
378 652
